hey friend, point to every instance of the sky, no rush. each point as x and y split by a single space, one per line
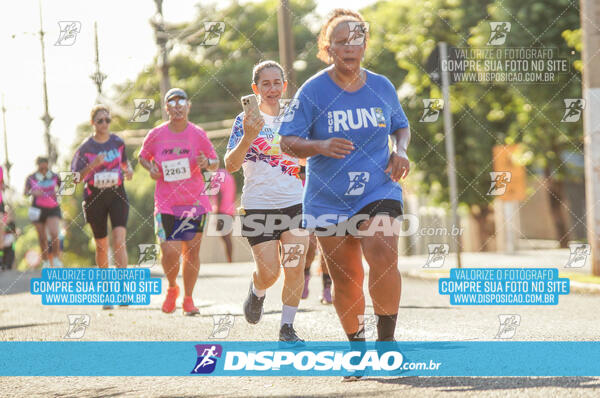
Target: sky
127 46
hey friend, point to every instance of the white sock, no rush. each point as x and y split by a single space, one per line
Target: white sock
288 313
257 292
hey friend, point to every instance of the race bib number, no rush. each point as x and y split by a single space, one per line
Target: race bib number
106 179
176 170
34 213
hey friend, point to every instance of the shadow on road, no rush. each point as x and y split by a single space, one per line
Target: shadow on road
105 392
466 384
27 325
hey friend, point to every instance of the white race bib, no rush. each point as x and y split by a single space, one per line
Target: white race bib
106 179
9 239
176 170
34 213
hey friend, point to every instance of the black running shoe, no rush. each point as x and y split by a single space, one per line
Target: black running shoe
253 307
353 377
288 334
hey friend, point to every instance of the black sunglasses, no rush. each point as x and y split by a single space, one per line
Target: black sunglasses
102 120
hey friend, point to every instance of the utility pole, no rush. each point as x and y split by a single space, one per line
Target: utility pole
590 15
449 140
98 77
286 45
7 164
163 58
46 118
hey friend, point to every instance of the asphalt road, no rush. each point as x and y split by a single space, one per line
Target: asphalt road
424 315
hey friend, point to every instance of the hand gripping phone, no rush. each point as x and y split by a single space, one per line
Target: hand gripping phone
250 105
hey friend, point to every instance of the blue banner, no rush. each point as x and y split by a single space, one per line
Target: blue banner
443 358
95 286
504 286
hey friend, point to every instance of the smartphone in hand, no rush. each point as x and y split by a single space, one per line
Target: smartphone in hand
250 105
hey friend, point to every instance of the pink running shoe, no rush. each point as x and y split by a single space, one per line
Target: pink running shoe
169 303
188 307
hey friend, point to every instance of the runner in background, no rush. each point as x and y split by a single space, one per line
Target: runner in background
223 204
45 212
102 165
2 210
10 238
175 154
272 189
310 256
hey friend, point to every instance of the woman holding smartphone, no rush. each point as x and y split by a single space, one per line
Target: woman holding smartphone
175 154
272 190
344 118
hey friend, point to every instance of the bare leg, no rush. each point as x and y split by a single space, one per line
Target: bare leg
191 263
120 246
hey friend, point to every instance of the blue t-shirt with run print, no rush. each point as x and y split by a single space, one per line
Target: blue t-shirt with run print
322 110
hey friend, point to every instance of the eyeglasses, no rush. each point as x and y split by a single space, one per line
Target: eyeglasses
180 101
102 120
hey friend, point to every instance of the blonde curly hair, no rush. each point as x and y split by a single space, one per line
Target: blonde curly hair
336 17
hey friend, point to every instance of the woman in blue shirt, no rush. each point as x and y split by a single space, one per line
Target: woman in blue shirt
341 119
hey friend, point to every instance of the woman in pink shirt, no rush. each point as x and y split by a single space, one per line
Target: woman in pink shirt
45 210
175 154
223 204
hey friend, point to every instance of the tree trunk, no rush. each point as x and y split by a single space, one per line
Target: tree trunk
556 195
483 215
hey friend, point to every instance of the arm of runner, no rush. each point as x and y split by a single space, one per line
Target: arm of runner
127 170
399 165
152 168
336 148
29 191
90 167
234 158
213 164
